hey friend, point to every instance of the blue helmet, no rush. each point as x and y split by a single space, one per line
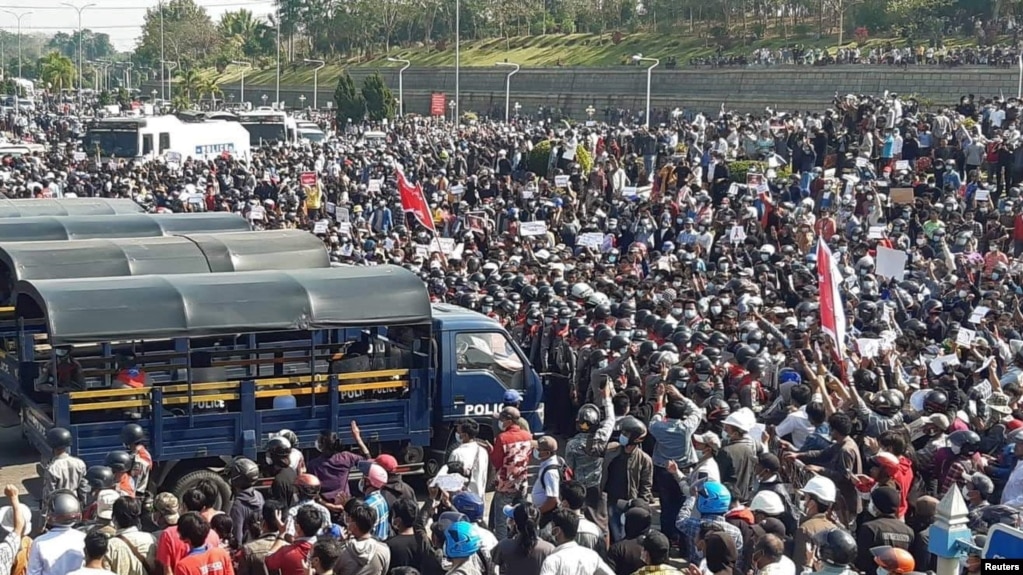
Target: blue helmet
789 375
461 541
714 498
468 504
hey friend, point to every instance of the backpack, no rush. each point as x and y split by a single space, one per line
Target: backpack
565 472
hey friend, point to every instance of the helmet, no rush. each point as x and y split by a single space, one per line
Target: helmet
789 375
132 435
632 428
743 353
888 402
703 366
290 435
100 477
278 449
581 291
58 438
718 339
119 461
461 541
836 546
893 560
717 409
964 442
712 353
618 342
64 509
588 418
308 485
243 472
583 332
468 504
713 499
767 502
936 401
821 488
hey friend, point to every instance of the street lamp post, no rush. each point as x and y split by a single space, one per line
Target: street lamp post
104 81
277 91
458 50
128 67
170 67
649 71
454 110
507 86
246 66
590 111
401 84
19 17
316 79
263 97
301 99
79 9
517 107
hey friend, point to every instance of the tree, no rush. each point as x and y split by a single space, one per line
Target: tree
190 37
350 103
189 82
252 36
56 70
380 103
95 45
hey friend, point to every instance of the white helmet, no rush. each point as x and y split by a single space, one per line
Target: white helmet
767 249
742 419
767 502
581 291
822 488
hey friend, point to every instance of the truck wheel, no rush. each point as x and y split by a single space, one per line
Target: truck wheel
189 481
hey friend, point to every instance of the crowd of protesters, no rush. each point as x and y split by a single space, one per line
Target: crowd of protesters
665 282
920 54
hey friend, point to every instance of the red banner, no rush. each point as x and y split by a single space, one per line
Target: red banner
413 200
832 311
438 104
307 178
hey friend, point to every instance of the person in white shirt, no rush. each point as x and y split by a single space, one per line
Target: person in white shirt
569 558
61 550
15 523
796 423
769 557
96 546
474 455
1012 494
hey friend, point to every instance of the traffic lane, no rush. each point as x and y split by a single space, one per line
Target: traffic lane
18 462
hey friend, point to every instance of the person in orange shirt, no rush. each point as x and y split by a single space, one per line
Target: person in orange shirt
121 463
202 559
825 225
993 257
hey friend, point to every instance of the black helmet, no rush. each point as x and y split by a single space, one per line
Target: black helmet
964 442
743 353
243 472
757 366
278 450
865 380
588 418
119 461
718 339
702 366
712 353
717 409
936 401
58 438
632 428
618 342
888 402
647 349
583 332
132 435
603 335
602 312
698 338
836 546
100 477
64 509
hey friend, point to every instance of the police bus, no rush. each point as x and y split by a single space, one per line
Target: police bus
165 137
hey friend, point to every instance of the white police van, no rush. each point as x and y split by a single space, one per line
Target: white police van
162 136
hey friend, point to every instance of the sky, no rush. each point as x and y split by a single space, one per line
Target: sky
121 19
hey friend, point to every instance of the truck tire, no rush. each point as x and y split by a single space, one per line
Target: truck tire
188 481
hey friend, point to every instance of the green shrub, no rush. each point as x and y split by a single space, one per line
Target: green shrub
541 155
740 168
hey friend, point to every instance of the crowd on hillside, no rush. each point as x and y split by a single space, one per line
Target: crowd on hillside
708 395
888 54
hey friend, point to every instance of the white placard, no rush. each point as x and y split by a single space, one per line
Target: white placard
861 162
79 156
374 185
733 189
901 165
173 158
528 193
982 195
257 213
978 314
736 235
527 229
321 227
331 208
763 188
341 215
891 263
877 232
422 251
446 245
629 192
457 190
450 482
561 181
965 337
591 240
868 347
344 228
569 152
938 364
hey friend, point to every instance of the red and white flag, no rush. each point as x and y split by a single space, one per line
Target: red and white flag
832 311
414 200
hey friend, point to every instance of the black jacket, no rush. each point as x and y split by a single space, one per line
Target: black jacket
879 532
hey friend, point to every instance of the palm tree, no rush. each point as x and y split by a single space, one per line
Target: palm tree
188 81
248 30
57 70
208 87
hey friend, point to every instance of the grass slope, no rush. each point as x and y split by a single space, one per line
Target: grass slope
575 50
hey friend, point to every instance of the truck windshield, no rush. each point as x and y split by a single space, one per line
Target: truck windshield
488 352
259 133
112 143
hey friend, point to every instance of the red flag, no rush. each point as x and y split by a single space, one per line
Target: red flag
413 200
832 312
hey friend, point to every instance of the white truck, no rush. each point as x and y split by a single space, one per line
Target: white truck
162 136
268 126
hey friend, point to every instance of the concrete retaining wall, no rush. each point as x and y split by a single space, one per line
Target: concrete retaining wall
744 89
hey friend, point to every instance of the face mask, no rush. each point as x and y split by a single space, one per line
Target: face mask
955 449
623 439
995 275
715 309
724 269
726 301
458 439
625 333
764 257
962 293
755 347
60 353
362 486
921 241
602 364
873 510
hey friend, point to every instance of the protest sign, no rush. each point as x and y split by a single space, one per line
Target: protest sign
321 227
965 337
374 185
257 213
891 263
736 235
532 228
591 239
561 181
307 178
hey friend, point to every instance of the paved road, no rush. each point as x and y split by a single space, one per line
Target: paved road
18 466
